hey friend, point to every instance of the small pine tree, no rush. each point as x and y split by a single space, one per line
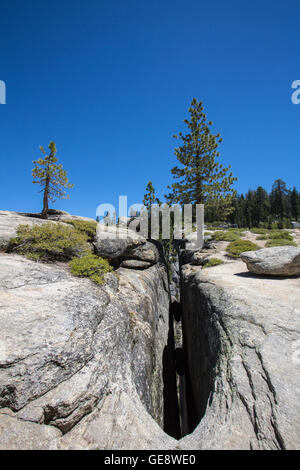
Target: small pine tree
202 180
150 197
52 178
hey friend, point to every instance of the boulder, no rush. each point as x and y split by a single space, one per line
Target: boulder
146 252
194 257
277 261
119 243
113 243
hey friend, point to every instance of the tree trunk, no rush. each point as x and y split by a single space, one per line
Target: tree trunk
45 201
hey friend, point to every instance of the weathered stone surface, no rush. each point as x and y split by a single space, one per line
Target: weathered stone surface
175 281
96 431
61 216
16 434
81 359
194 257
241 334
277 261
135 264
84 366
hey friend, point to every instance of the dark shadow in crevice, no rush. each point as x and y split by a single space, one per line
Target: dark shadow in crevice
170 394
201 350
175 308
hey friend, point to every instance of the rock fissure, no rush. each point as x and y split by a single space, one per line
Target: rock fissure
239 376
201 362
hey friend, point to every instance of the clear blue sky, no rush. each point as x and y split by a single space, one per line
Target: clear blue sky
111 81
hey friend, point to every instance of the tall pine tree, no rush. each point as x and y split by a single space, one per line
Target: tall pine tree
150 197
295 204
201 179
279 199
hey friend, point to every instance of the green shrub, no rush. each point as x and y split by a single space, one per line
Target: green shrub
259 230
285 223
225 236
212 262
262 237
85 226
278 242
237 247
90 266
217 223
280 236
49 242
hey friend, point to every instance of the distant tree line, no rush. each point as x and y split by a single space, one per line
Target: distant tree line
259 208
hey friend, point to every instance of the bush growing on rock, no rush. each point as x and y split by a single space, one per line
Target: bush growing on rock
259 231
90 266
262 237
49 242
84 226
226 236
212 262
280 242
238 231
237 247
280 236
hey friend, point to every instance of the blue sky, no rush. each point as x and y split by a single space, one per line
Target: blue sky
111 81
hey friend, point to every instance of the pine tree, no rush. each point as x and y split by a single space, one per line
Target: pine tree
150 197
249 208
260 206
52 178
279 199
201 179
295 204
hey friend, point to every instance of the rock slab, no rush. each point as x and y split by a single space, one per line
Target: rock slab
81 364
242 378
276 261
